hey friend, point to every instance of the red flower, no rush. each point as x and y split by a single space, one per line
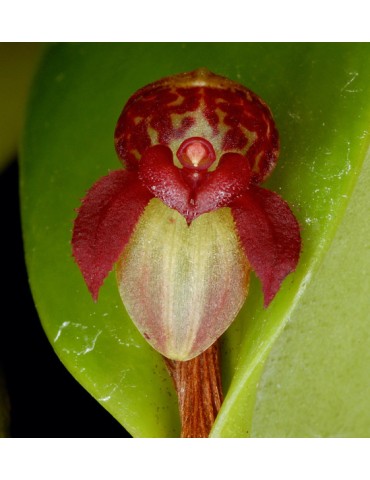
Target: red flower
197 142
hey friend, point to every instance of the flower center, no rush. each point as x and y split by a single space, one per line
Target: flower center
196 153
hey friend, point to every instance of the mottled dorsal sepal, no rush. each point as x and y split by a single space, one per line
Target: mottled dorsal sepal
199 104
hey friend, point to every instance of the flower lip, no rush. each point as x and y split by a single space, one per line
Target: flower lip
196 153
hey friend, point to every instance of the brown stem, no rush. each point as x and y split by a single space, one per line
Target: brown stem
199 390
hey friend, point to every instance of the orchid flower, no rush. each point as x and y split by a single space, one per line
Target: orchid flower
186 221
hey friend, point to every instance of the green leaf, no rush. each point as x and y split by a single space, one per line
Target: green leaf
320 97
316 380
18 63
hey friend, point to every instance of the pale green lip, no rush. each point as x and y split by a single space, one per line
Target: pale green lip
183 285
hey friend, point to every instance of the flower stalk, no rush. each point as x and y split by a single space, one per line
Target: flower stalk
199 390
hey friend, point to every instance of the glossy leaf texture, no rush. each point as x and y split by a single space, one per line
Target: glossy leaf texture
334 310
320 99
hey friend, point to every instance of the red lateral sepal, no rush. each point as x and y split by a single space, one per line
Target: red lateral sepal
270 236
104 224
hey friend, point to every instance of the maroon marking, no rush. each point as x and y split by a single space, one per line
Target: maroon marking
151 110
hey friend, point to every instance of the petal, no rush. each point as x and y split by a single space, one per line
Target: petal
270 236
164 179
175 189
183 285
229 180
104 224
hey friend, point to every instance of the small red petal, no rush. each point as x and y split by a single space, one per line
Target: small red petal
104 224
179 190
159 174
270 236
221 186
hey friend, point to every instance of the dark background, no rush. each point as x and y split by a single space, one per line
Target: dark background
45 400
